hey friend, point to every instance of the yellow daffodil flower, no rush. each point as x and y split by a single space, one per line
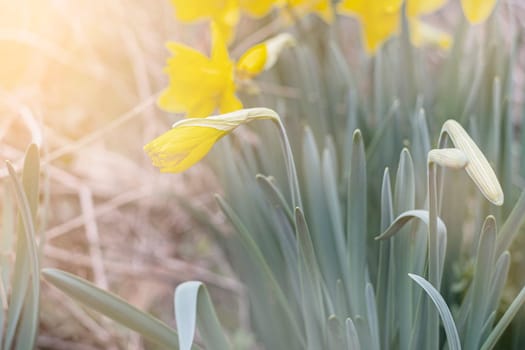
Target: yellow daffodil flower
322 8
477 11
198 84
263 56
381 19
191 139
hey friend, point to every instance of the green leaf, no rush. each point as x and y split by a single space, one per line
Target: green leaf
26 249
274 195
504 321
405 218
255 252
444 312
481 284
511 226
356 225
193 306
371 312
113 307
352 339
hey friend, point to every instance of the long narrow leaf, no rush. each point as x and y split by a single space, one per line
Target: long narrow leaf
504 321
444 312
28 245
113 307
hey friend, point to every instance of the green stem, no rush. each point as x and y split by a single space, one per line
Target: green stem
433 258
290 165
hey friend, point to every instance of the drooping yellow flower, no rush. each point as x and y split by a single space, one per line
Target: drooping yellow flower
477 11
191 139
198 84
262 56
322 8
379 19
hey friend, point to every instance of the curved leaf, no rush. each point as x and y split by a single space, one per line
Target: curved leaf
444 312
113 307
193 304
406 217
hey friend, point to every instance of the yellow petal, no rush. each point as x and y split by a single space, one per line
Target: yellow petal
189 11
191 139
477 11
180 148
198 83
229 101
379 19
227 19
219 49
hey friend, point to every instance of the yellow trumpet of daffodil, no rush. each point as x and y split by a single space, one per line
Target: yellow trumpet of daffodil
200 85
191 139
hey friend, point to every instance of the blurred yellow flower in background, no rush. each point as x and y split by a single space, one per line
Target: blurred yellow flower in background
379 19
191 139
225 13
477 11
199 85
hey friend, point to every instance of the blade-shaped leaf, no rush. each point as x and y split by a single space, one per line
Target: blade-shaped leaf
26 245
193 307
504 321
113 307
444 312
